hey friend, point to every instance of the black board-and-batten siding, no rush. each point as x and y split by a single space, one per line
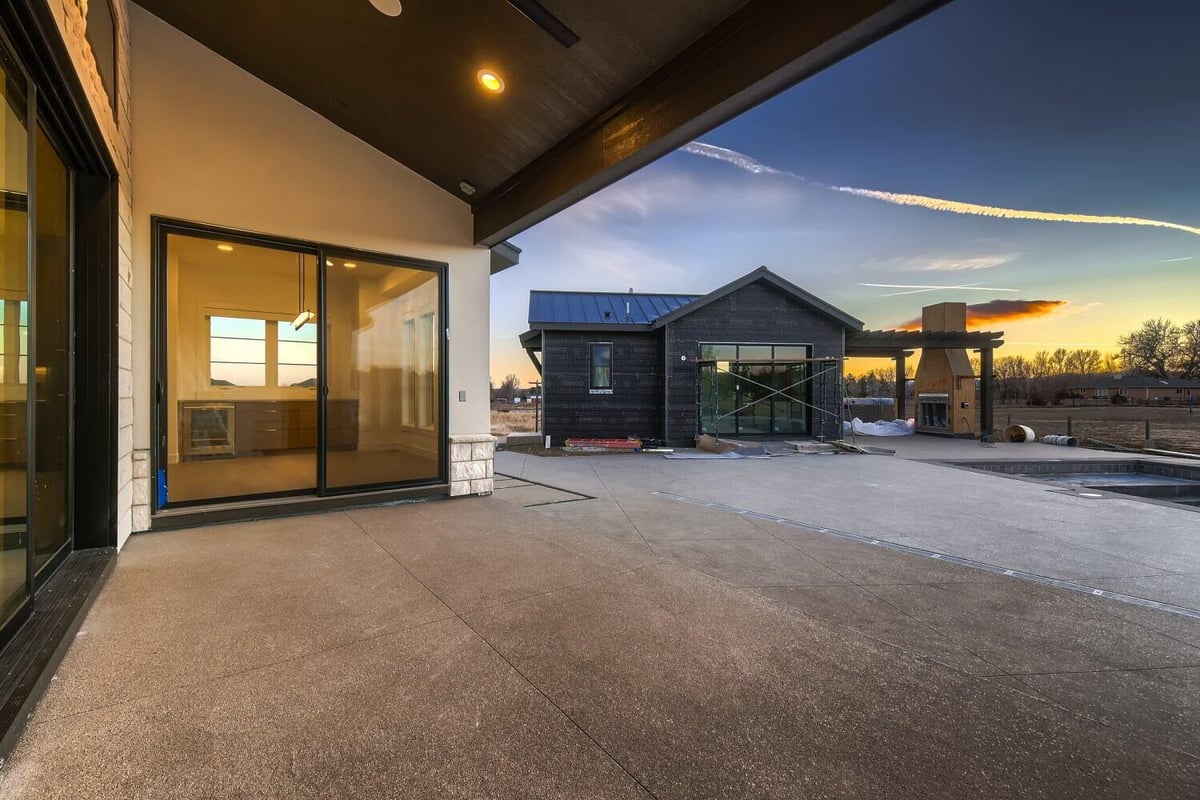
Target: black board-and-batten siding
656 375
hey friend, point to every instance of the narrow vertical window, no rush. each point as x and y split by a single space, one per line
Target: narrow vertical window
601 367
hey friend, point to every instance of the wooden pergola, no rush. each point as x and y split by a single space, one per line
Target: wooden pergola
899 345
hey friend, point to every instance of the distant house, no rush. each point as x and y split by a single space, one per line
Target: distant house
1138 389
758 356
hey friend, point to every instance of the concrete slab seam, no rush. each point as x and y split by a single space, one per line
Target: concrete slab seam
1032 577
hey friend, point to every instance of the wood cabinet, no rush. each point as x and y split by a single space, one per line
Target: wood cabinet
264 426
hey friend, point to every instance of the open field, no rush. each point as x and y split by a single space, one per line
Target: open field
1171 428
504 422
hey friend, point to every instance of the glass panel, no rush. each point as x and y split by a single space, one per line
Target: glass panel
383 369
52 392
14 266
784 352
601 366
718 398
241 407
754 352
753 382
718 352
790 414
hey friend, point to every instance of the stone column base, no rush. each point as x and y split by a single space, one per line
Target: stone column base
471 456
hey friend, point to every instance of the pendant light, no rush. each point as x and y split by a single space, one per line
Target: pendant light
305 316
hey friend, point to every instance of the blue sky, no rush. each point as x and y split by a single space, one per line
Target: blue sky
1062 106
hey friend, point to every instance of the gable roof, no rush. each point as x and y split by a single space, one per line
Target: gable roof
637 311
782 284
601 308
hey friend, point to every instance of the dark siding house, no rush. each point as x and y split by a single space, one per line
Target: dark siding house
757 357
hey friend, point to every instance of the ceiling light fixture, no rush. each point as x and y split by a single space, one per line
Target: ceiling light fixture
467 188
305 316
329 262
490 80
225 248
350 265
389 8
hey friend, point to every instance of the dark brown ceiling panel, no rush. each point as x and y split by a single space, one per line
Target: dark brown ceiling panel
407 85
645 76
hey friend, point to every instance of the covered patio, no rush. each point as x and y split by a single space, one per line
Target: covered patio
597 638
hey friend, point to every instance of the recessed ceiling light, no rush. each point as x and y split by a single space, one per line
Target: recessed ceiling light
225 248
329 262
391 8
350 265
491 81
466 187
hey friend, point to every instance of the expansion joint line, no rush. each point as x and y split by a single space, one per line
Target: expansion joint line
517 670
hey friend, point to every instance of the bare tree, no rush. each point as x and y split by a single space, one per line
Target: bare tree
1187 359
1152 348
1084 362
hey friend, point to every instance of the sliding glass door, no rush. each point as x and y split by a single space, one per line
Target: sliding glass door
51 355
240 412
383 368
288 369
36 335
14 329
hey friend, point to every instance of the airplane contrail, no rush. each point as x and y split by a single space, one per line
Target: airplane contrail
1173 260
745 162
917 288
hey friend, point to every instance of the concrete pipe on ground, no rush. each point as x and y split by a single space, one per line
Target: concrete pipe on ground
1061 440
1019 433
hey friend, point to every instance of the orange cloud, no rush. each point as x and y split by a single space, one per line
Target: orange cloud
1000 311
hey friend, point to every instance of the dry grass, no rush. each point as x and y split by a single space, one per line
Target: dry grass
505 422
1171 428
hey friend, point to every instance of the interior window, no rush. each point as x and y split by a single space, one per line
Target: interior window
237 351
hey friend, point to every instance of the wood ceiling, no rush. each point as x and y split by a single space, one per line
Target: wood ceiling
407 85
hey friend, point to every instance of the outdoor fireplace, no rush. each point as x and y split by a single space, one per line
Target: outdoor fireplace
933 412
945 382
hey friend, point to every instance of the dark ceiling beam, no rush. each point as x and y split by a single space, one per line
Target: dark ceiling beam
765 47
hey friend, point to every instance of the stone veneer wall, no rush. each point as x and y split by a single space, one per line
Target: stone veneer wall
471 459
133 511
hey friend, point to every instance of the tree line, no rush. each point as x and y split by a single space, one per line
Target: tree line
1158 348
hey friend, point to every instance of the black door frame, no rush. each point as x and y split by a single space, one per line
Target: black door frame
60 105
161 227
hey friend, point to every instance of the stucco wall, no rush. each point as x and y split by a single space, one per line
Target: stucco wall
213 144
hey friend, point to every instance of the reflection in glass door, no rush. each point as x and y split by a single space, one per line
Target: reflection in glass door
240 413
14 326
52 355
381 325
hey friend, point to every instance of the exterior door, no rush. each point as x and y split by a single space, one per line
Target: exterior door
382 370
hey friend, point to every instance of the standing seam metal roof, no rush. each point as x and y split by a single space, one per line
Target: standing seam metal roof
596 308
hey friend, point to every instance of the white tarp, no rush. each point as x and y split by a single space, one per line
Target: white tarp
894 427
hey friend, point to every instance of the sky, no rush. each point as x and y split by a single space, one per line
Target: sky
1045 153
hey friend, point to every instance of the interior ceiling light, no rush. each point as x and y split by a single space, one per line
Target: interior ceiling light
491 81
350 265
390 8
467 188
305 316
225 248
329 262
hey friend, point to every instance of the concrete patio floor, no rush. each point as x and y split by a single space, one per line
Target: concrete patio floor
535 644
